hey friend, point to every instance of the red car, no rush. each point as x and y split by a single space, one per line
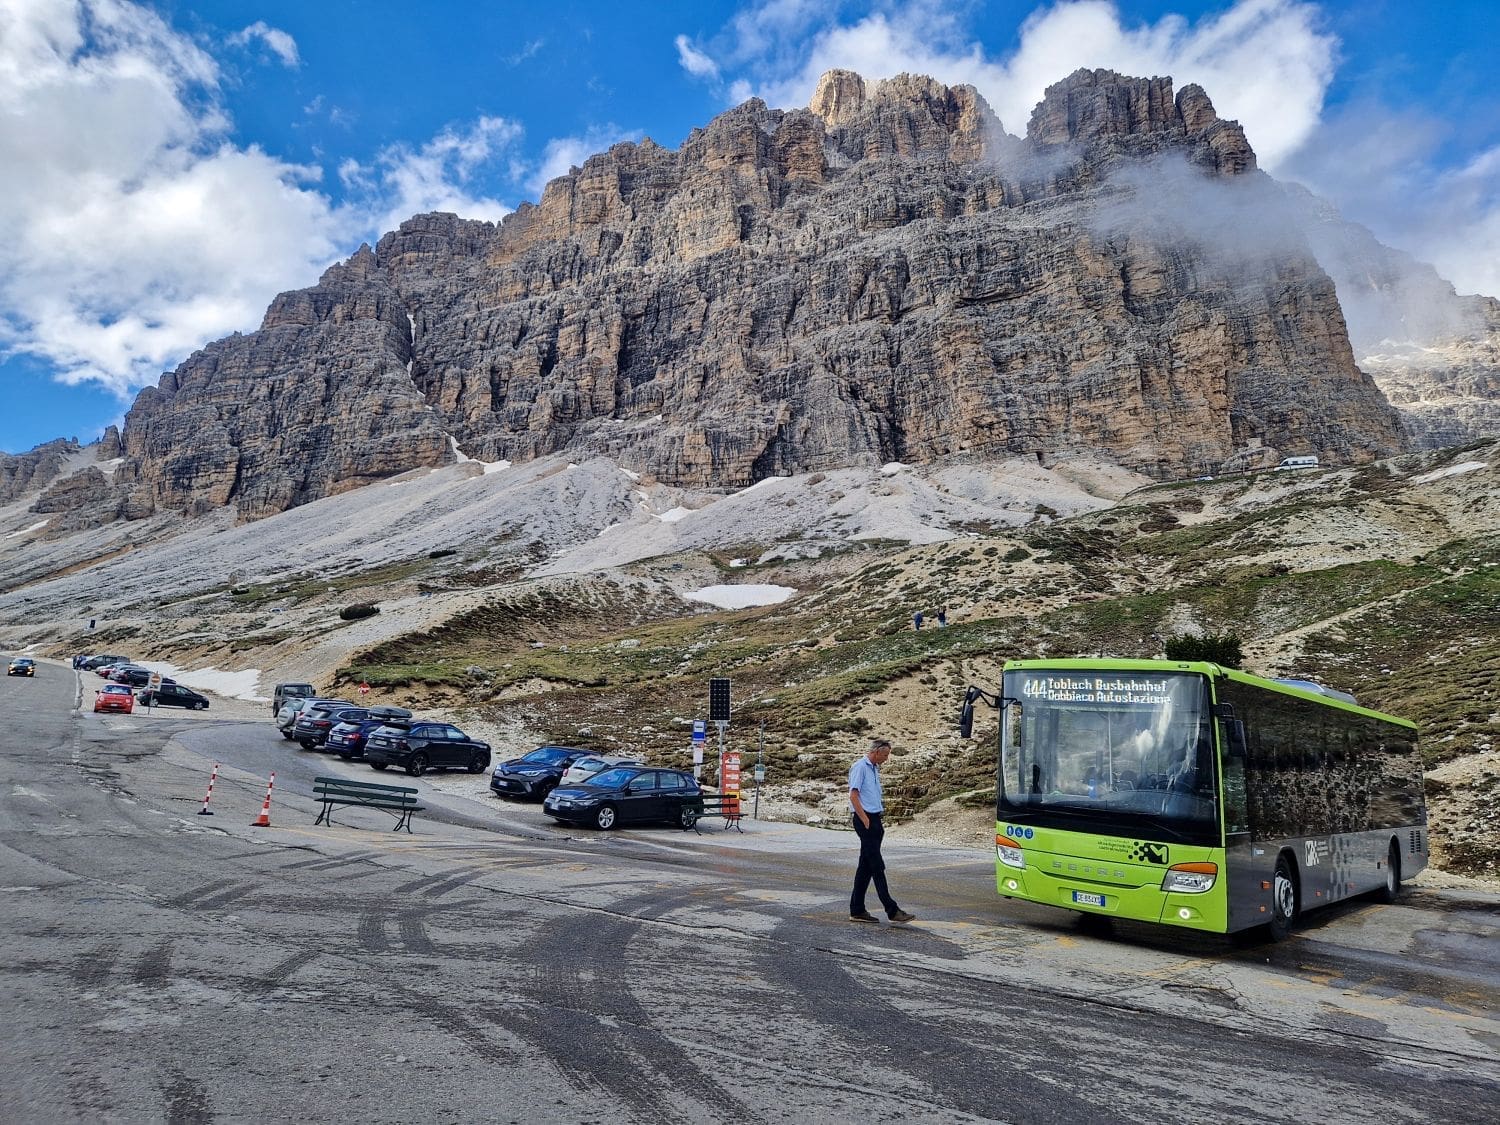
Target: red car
115 697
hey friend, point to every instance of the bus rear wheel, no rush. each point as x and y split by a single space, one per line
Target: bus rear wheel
1392 887
1283 900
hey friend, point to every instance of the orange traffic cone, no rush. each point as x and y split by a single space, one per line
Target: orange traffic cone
264 819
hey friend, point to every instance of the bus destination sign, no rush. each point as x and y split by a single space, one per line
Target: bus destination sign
1114 690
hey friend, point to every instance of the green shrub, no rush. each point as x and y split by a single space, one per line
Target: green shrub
1216 648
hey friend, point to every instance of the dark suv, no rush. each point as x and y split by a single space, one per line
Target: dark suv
417 746
629 795
347 738
315 723
535 774
135 676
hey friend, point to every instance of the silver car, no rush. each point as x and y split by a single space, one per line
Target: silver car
582 770
286 718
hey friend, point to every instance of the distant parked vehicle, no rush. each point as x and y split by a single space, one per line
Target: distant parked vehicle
347 738
313 724
629 795
416 747
535 774
284 693
1298 463
115 697
21 666
286 718
134 675
173 695
94 663
583 769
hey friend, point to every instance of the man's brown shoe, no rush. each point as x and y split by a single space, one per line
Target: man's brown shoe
903 916
865 916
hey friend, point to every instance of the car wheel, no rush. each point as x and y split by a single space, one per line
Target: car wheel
604 819
417 766
286 736
686 817
302 742
379 765
200 705
1392 888
477 763
1283 900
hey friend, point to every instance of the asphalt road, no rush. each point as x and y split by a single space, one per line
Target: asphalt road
166 966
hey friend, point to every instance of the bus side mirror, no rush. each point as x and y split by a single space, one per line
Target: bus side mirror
1234 739
966 716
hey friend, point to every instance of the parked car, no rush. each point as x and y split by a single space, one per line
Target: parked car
21 666
115 697
584 768
313 724
286 718
134 675
347 739
417 746
286 692
104 660
173 695
103 670
629 795
79 659
535 774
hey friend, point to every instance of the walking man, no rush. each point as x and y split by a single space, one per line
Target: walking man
867 806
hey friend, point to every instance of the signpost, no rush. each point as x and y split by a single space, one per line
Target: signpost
153 684
700 738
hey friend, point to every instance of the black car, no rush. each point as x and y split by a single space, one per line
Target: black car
535 774
629 795
21 666
347 739
416 747
135 676
173 695
315 723
103 661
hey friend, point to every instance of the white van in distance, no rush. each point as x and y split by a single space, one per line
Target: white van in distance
1298 463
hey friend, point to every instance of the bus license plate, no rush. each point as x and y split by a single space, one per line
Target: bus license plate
1083 898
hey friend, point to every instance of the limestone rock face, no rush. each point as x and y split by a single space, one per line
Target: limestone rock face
885 276
21 472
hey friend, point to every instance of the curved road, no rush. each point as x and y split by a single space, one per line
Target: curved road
166 966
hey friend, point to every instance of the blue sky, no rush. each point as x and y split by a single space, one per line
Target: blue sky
167 167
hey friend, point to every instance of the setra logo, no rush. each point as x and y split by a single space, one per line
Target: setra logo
1019 833
1315 852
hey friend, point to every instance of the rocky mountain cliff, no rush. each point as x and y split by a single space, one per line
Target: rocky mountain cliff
887 275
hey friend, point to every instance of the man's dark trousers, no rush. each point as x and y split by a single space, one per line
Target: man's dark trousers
871 866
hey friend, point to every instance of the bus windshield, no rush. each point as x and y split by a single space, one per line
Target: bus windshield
1127 749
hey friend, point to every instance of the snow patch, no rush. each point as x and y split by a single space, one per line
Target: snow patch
740 597
230 685
27 530
1450 471
675 514
891 468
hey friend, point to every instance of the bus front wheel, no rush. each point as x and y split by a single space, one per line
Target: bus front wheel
1283 899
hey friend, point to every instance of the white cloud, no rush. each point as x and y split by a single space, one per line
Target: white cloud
282 45
564 153
132 231
694 61
407 182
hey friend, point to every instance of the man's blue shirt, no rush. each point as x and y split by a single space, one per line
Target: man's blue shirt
864 776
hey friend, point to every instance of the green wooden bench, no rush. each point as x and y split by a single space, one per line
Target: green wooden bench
398 800
730 808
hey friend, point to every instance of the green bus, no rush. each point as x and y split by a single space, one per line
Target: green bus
1193 795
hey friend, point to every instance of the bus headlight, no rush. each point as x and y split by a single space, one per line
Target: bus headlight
1190 878
1010 855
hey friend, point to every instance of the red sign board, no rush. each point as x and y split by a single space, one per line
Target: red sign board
729 781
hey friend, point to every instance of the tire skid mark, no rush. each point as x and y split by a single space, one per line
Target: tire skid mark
439 887
414 934
593 1035
372 932
186 1102
846 1009
234 894
323 863
155 967
453 1020
280 973
93 968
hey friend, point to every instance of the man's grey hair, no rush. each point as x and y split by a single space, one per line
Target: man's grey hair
880 744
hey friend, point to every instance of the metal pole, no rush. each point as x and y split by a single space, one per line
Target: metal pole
760 755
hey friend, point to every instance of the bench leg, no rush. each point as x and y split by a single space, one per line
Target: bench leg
324 817
404 820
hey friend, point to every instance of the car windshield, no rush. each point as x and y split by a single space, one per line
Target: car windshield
588 765
612 779
546 755
115 689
